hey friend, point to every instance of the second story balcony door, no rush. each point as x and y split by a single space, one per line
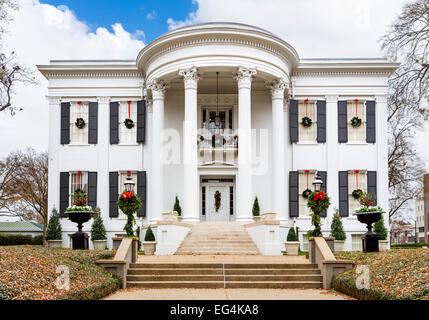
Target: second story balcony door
217 127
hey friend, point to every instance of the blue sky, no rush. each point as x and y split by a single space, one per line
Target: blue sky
132 14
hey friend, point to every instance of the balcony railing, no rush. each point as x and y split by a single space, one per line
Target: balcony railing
226 141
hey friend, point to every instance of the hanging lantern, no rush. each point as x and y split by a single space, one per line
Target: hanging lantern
129 183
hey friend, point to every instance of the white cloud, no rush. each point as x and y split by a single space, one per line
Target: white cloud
151 15
40 33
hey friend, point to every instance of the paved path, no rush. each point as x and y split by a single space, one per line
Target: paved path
226 294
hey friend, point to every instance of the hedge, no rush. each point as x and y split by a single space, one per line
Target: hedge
409 245
15 239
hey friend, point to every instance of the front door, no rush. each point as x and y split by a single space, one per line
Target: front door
217 202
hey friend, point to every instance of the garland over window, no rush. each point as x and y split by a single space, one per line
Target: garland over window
128 122
217 200
356 121
306 121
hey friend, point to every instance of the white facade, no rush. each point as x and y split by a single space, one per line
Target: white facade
259 76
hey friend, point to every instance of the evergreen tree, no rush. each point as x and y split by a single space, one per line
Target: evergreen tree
177 207
337 230
380 229
149 235
255 209
98 231
292 235
53 232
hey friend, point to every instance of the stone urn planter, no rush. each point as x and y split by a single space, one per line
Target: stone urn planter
80 238
383 244
171 215
370 238
292 248
55 243
99 244
149 247
268 216
256 218
339 245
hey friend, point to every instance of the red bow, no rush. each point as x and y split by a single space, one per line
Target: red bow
319 195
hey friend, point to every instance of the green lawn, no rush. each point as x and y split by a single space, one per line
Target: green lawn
29 273
394 274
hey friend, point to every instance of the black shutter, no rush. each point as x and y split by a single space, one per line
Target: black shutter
92 189
324 188
343 183
293 194
141 191
65 122
342 121
321 121
114 122
64 193
371 184
141 120
370 121
113 194
93 123
293 120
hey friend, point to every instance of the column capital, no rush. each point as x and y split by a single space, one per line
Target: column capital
244 76
103 99
277 88
158 88
53 100
190 77
381 98
149 105
331 98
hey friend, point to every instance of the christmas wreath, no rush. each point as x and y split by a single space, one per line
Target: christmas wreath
356 122
318 202
217 200
80 123
129 203
357 193
306 193
306 122
129 123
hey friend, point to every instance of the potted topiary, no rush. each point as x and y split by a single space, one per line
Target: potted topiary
381 231
292 243
337 232
255 210
177 208
98 231
149 243
53 231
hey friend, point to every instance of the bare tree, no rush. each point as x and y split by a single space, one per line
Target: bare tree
24 182
408 42
11 72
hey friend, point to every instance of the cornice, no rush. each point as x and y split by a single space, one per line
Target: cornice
341 73
92 74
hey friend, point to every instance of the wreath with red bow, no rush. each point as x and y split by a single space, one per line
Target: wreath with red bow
318 202
217 200
129 203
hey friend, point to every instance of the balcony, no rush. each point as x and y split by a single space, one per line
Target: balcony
222 141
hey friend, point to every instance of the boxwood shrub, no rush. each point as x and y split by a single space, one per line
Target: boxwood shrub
15 239
409 245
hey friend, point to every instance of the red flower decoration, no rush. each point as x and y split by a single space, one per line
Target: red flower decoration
319 195
79 102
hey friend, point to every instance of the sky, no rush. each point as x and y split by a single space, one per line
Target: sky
44 30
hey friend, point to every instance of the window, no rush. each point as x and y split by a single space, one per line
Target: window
79 110
127 136
356 242
231 201
356 109
305 181
304 243
357 180
79 180
307 109
203 199
122 178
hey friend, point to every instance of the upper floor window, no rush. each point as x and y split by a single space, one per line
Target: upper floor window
79 122
127 110
357 181
307 120
356 120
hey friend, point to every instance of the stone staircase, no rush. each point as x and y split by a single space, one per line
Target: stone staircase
224 275
224 238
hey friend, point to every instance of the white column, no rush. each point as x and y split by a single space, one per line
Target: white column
332 156
148 156
190 155
103 157
277 88
53 154
157 175
244 176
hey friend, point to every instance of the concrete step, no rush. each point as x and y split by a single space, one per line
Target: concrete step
227 278
218 271
223 266
219 252
221 284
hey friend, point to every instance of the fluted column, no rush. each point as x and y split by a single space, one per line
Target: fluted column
244 78
157 175
190 155
277 88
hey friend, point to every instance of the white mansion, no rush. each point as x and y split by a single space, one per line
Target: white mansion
219 110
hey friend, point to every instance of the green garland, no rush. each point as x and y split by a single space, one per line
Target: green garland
318 202
129 203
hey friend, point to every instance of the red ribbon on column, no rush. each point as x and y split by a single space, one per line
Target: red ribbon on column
356 100
306 105
307 171
357 182
129 109
79 174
